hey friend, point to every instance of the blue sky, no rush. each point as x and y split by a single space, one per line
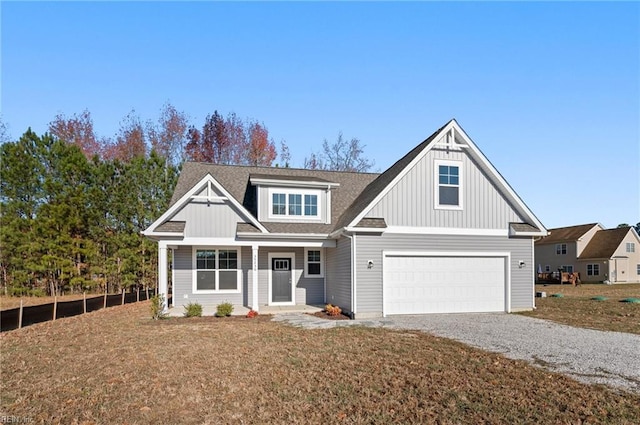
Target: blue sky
549 91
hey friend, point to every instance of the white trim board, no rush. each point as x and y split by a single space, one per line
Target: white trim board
445 231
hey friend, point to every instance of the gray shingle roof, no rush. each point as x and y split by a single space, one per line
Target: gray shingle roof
523 227
171 227
235 179
604 243
372 223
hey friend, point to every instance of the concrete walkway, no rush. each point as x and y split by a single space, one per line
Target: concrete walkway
590 356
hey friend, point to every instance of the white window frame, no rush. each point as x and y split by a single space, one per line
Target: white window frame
287 192
594 267
436 180
561 247
631 247
217 249
306 263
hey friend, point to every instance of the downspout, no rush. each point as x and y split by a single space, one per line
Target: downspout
353 274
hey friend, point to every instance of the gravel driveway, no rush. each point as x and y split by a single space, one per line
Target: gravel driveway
590 356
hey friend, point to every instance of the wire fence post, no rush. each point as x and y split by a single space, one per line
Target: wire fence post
55 307
122 296
137 295
147 289
20 316
84 303
105 299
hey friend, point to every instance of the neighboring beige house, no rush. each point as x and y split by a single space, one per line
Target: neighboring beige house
598 254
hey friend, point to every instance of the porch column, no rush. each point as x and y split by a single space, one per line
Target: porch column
254 277
162 273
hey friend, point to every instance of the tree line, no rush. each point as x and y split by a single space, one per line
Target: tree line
73 204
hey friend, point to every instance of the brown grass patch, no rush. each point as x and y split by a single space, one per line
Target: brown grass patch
118 366
577 308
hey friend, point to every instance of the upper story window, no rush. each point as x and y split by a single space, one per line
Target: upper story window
631 247
561 248
449 186
293 203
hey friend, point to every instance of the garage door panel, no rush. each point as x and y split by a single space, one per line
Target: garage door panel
433 284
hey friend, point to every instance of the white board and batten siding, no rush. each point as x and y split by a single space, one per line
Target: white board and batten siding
516 282
411 202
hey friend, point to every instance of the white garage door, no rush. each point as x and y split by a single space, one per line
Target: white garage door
436 284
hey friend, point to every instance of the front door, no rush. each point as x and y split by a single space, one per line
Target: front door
281 289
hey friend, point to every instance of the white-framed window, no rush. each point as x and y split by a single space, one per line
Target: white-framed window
567 269
593 269
638 269
561 249
631 247
547 268
448 190
216 270
313 262
294 203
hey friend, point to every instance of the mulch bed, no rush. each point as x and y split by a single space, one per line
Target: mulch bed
323 315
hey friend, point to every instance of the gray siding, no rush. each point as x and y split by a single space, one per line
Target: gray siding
411 201
338 274
369 281
215 219
308 290
183 284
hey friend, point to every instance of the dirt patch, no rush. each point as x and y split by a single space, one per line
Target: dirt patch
118 366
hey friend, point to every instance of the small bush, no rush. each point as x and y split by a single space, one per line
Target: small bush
157 312
224 309
251 314
332 310
193 310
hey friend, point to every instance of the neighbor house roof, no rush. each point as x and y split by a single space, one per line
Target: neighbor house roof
604 243
236 180
566 234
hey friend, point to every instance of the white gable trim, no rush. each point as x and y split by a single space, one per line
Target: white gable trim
449 132
206 181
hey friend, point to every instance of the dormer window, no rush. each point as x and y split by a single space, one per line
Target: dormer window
294 203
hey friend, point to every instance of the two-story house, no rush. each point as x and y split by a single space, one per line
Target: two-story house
439 231
596 253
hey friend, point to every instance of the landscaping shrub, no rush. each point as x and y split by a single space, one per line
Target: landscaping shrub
157 301
332 310
224 309
193 310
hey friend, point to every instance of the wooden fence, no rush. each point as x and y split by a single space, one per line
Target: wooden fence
21 316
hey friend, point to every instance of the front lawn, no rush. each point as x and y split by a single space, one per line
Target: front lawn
118 366
577 307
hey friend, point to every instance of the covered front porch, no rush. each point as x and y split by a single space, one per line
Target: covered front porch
267 277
